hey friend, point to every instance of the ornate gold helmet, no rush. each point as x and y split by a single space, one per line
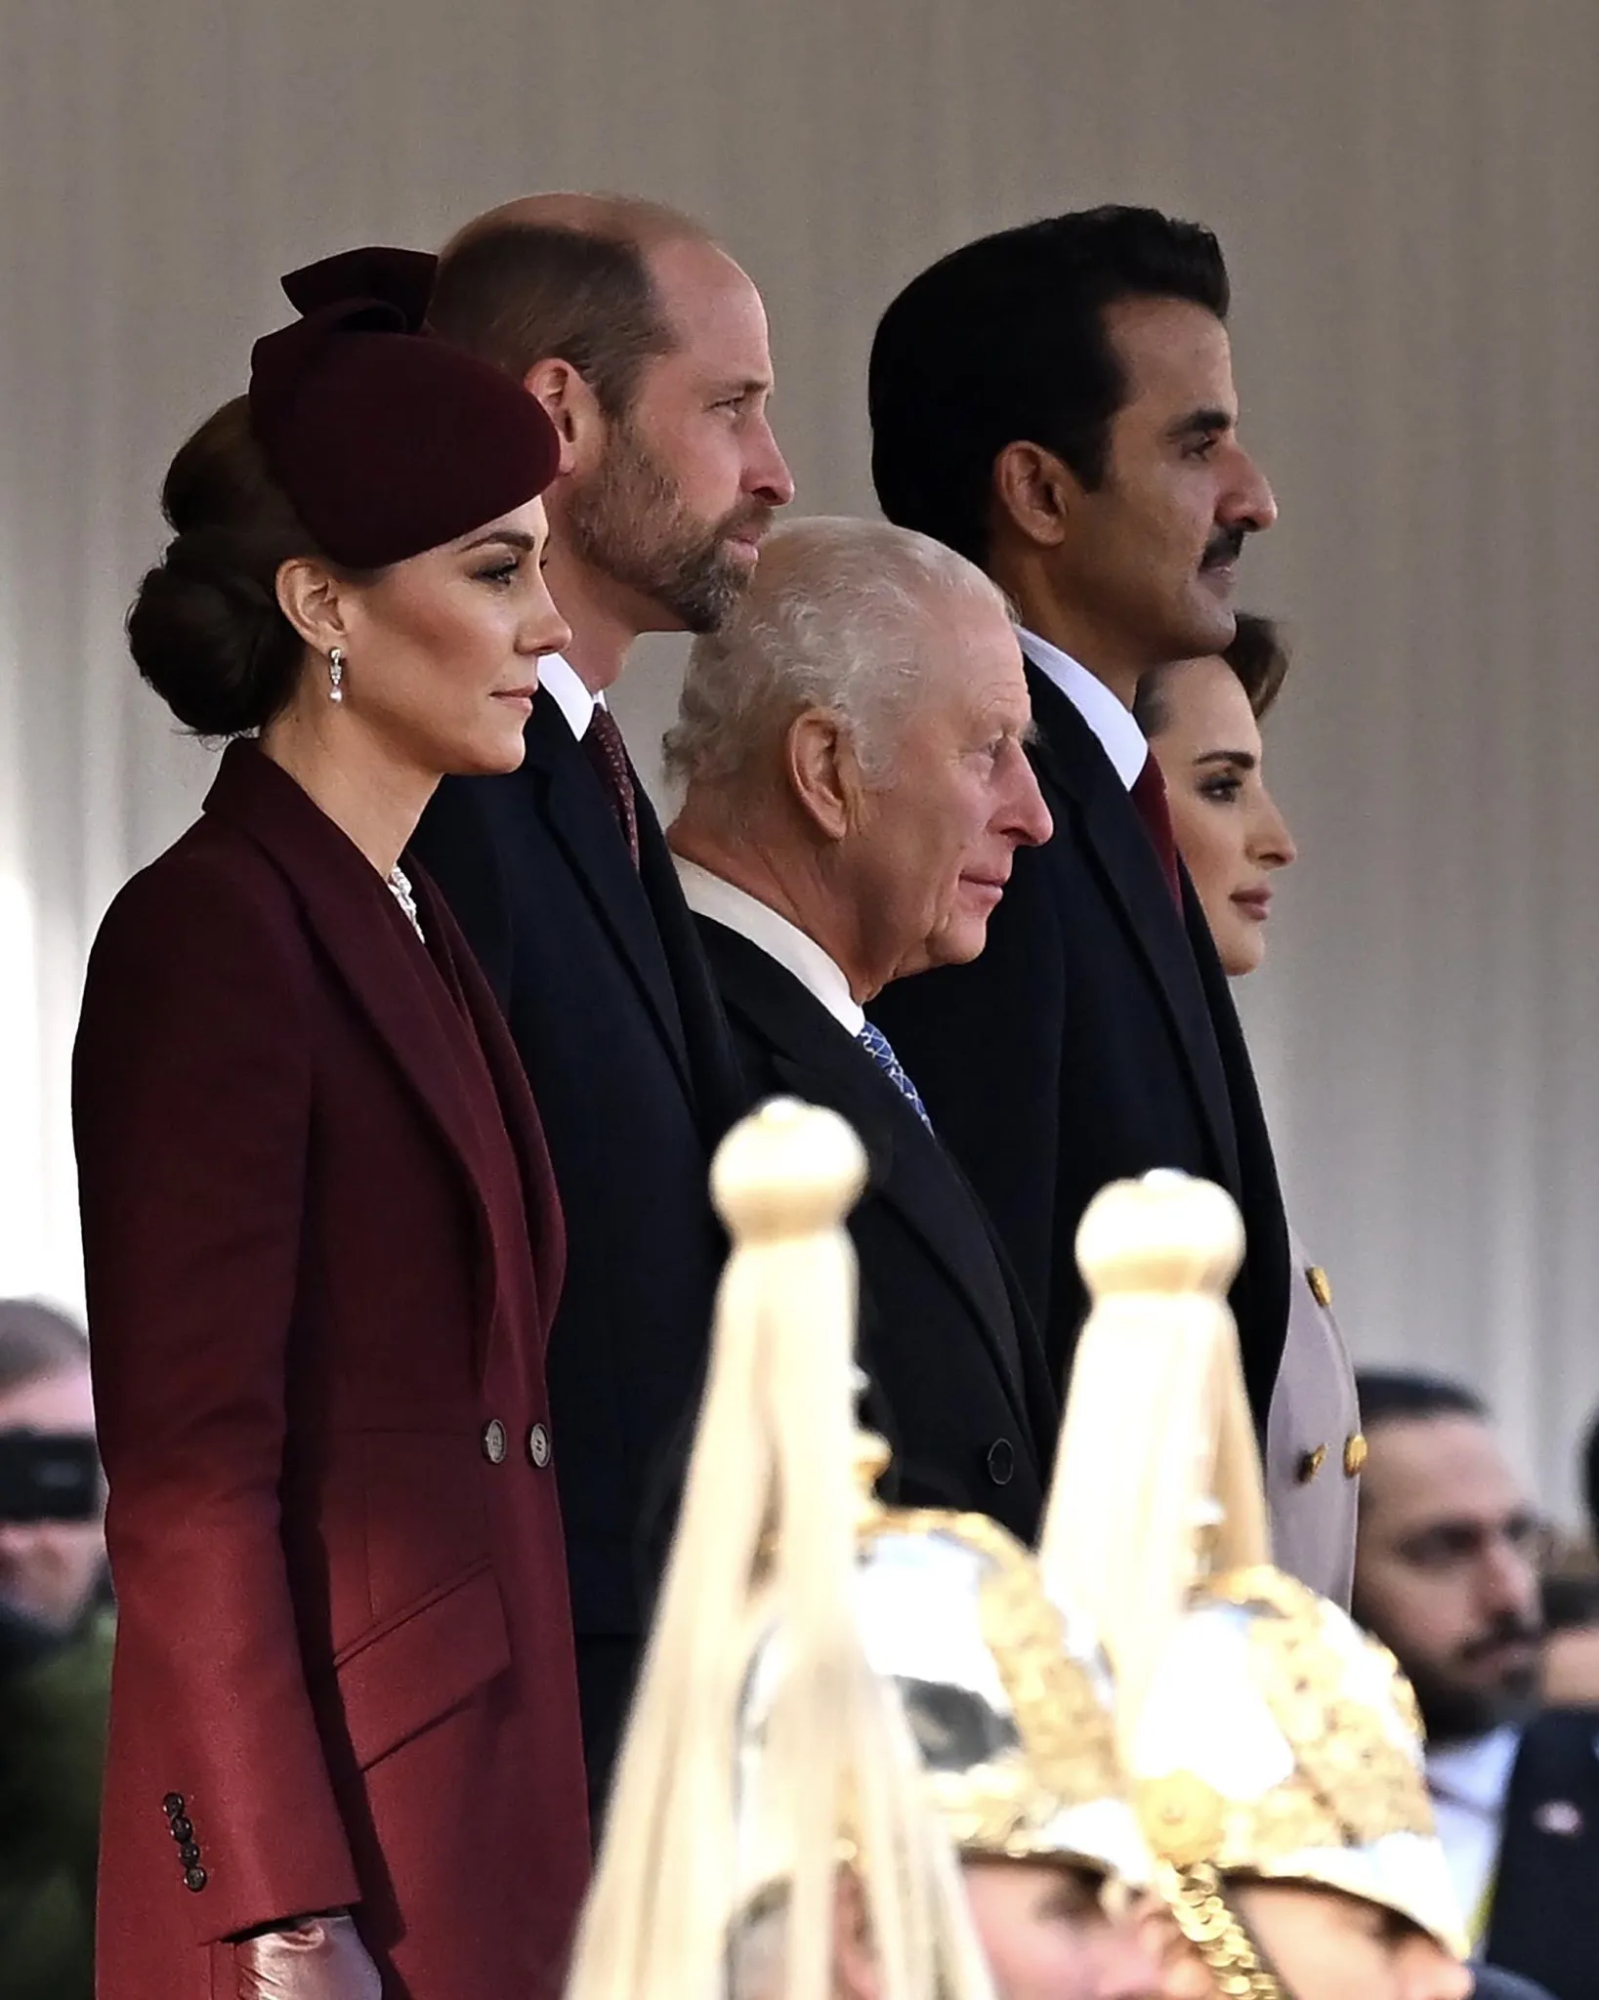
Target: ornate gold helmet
1264 1735
1009 1705
1278 1741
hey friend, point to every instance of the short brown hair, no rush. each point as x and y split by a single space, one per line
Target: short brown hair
1257 654
517 293
36 1343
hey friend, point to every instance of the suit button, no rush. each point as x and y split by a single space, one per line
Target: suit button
1001 1461
195 1879
538 1446
1320 1285
188 1854
1310 1463
172 1804
1356 1452
494 1441
182 1829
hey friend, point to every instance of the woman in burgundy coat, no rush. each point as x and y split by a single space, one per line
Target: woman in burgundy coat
322 1242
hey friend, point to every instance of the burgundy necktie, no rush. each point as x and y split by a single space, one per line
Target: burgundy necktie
1149 796
608 754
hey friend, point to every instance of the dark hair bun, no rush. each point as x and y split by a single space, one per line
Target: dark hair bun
209 637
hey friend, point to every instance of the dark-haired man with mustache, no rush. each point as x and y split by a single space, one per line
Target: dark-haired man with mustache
1056 402
1446 1575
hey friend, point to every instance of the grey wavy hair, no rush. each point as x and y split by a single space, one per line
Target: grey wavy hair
837 617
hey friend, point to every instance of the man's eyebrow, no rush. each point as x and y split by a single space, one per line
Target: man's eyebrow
1243 760
1201 423
512 538
741 385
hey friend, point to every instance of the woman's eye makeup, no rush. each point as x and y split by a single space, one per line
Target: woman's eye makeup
502 572
1224 787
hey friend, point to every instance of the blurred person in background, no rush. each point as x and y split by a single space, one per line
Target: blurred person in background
1202 718
1571 1599
1446 1575
55 1656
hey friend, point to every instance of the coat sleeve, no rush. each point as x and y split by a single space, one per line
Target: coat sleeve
191 1109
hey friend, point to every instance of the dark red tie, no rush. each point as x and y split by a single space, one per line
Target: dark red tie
608 754
1149 796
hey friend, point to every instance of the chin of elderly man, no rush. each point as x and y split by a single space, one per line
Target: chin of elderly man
851 746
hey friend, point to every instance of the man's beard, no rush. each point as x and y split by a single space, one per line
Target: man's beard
1454 1712
629 523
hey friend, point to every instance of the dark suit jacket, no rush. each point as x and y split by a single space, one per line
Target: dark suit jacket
612 1008
1094 1039
1544 1922
959 1387
322 1247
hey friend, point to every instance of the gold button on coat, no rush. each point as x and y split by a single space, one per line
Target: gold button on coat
1310 1464
1356 1451
1320 1285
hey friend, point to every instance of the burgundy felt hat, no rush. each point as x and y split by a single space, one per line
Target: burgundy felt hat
386 439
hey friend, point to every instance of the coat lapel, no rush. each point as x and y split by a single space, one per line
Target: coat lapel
580 818
820 1062
1072 761
368 943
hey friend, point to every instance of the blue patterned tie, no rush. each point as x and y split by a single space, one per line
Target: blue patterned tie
880 1049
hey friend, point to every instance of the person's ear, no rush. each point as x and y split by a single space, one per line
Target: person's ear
823 771
316 603
1035 492
855 1974
574 409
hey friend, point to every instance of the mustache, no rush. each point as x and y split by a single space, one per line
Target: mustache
756 514
1224 546
1509 1630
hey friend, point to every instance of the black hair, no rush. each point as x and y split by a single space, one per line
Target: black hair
1257 654
1395 1395
1005 339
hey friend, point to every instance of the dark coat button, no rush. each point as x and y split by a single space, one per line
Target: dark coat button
538 1446
182 1829
1001 1461
172 1804
189 1853
494 1441
195 1879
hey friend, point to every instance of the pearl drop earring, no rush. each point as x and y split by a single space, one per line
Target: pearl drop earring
336 674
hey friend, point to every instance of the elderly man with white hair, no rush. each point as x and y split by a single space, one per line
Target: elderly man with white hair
851 747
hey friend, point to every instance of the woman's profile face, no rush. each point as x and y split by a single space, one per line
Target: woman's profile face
1227 827
442 650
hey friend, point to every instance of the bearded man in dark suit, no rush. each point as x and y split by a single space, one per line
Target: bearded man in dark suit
647 346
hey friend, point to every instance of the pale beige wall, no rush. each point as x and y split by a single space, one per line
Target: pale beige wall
1406 190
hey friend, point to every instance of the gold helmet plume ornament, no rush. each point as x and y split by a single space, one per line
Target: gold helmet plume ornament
1264 1735
763 1755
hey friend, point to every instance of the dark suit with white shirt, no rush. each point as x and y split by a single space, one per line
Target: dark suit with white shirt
959 1386
1093 1040
599 969
1543 1913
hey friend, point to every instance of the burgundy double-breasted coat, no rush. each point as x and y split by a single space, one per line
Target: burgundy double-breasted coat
322 1248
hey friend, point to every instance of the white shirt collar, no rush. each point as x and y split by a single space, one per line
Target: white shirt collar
570 695
1121 738
1476 1775
724 903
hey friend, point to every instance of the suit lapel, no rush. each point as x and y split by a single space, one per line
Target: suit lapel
370 946
820 1061
580 818
1071 759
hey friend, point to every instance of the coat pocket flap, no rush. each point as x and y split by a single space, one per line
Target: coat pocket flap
397 1681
